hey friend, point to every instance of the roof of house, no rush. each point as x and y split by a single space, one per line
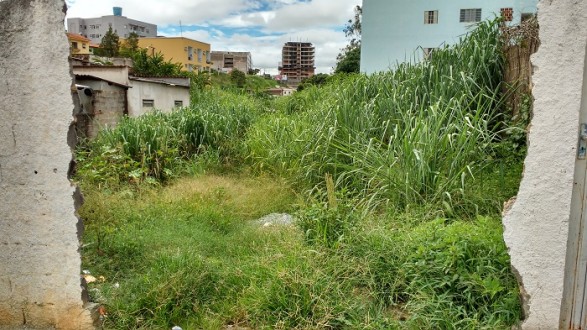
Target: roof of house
77 37
91 77
170 81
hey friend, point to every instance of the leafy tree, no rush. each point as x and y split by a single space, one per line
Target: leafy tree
110 44
349 59
154 65
254 72
317 80
238 78
130 46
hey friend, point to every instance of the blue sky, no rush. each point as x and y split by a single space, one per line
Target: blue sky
261 26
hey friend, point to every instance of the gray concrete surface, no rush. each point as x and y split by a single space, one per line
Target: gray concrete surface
39 257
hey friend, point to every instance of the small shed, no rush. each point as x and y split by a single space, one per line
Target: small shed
161 93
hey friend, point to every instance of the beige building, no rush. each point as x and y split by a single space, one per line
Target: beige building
192 54
225 61
297 62
78 44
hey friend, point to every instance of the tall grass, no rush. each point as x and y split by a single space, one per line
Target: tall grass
151 146
414 135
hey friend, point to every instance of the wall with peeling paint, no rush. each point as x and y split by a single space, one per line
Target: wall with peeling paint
39 246
537 226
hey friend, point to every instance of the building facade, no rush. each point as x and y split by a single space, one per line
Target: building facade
78 45
297 62
95 28
192 54
225 61
396 31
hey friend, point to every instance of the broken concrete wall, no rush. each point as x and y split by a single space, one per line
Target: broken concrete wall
109 106
537 226
39 246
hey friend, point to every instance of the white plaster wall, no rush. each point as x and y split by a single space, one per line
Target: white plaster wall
117 74
164 96
536 227
39 257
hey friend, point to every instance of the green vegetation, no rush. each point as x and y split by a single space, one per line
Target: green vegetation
349 59
153 65
110 44
396 181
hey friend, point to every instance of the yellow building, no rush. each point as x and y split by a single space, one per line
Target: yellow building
78 44
192 54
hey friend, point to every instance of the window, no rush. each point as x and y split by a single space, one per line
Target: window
431 17
190 53
199 55
178 103
507 14
74 45
470 15
428 52
148 103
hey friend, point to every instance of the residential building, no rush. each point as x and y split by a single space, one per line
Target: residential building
164 94
96 28
225 61
105 94
297 62
396 31
192 54
280 91
78 45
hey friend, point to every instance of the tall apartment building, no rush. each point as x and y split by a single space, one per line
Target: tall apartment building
226 61
297 61
192 54
396 31
95 28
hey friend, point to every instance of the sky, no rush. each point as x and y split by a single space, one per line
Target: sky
257 26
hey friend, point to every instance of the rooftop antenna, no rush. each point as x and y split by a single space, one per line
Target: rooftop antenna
180 29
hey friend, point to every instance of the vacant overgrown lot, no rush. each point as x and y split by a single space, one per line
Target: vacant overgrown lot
396 181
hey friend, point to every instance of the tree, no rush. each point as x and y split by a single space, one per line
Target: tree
110 44
254 72
316 80
238 78
349 59
130 46
154 65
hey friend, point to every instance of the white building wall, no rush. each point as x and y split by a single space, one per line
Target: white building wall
537 226
117 74
393 30
164 97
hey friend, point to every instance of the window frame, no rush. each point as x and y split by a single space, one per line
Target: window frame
148 103
470 15
430 17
